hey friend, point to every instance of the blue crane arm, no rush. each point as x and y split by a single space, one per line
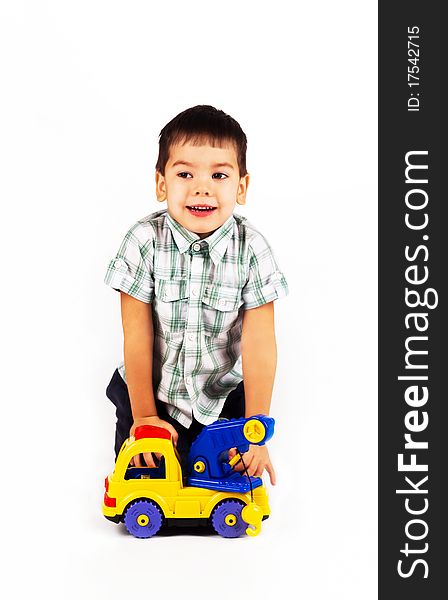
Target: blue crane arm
208 462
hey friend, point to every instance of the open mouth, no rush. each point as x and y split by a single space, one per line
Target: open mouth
201 210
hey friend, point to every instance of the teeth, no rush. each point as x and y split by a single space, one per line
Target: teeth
201 207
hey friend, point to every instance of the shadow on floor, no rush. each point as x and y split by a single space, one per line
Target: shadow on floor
171 530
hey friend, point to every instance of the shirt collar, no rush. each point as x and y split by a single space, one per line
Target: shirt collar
217 241
182 236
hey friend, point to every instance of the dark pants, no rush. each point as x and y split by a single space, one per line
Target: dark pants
117 392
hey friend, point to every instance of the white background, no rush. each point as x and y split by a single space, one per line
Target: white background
87 86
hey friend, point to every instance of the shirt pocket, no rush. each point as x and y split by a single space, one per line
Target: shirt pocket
220 309
171 304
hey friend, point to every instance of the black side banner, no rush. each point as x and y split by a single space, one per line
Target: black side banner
413 361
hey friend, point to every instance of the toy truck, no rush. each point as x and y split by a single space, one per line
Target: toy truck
144 497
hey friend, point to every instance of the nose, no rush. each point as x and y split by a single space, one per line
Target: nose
202 185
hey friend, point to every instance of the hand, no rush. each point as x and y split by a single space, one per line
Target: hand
256 460
147 456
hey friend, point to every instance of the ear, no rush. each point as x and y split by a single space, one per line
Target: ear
242 189
160 187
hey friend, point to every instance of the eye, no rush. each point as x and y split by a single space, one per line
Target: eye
219 176
184 175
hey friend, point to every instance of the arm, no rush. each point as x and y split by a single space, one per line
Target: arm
259 357
138 335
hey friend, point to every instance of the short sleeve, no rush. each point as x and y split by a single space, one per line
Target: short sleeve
265 282
131 270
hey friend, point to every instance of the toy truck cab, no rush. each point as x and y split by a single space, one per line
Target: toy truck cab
143 497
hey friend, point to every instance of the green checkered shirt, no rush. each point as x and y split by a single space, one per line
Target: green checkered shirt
198 290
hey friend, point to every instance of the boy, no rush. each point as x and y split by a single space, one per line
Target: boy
197 285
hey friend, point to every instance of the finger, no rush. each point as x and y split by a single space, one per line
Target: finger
249 464
238 464
137 460
270 470
149 460
255 467
259 470
156 458
174 434
238 467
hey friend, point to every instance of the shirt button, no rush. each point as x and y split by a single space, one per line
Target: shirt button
194 292
222 302
191 337
118 263
188 380
196 247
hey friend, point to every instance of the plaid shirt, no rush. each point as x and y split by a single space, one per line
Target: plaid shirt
198 290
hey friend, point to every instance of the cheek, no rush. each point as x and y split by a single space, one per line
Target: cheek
227 198
178 190
230 191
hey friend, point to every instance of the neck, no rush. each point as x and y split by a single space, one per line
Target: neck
204 235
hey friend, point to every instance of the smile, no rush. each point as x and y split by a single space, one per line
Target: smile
200 210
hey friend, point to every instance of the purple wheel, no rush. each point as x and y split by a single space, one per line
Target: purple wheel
143 518
227 520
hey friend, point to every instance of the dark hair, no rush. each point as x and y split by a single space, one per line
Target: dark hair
202 124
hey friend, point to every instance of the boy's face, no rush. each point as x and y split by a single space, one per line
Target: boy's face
201 186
